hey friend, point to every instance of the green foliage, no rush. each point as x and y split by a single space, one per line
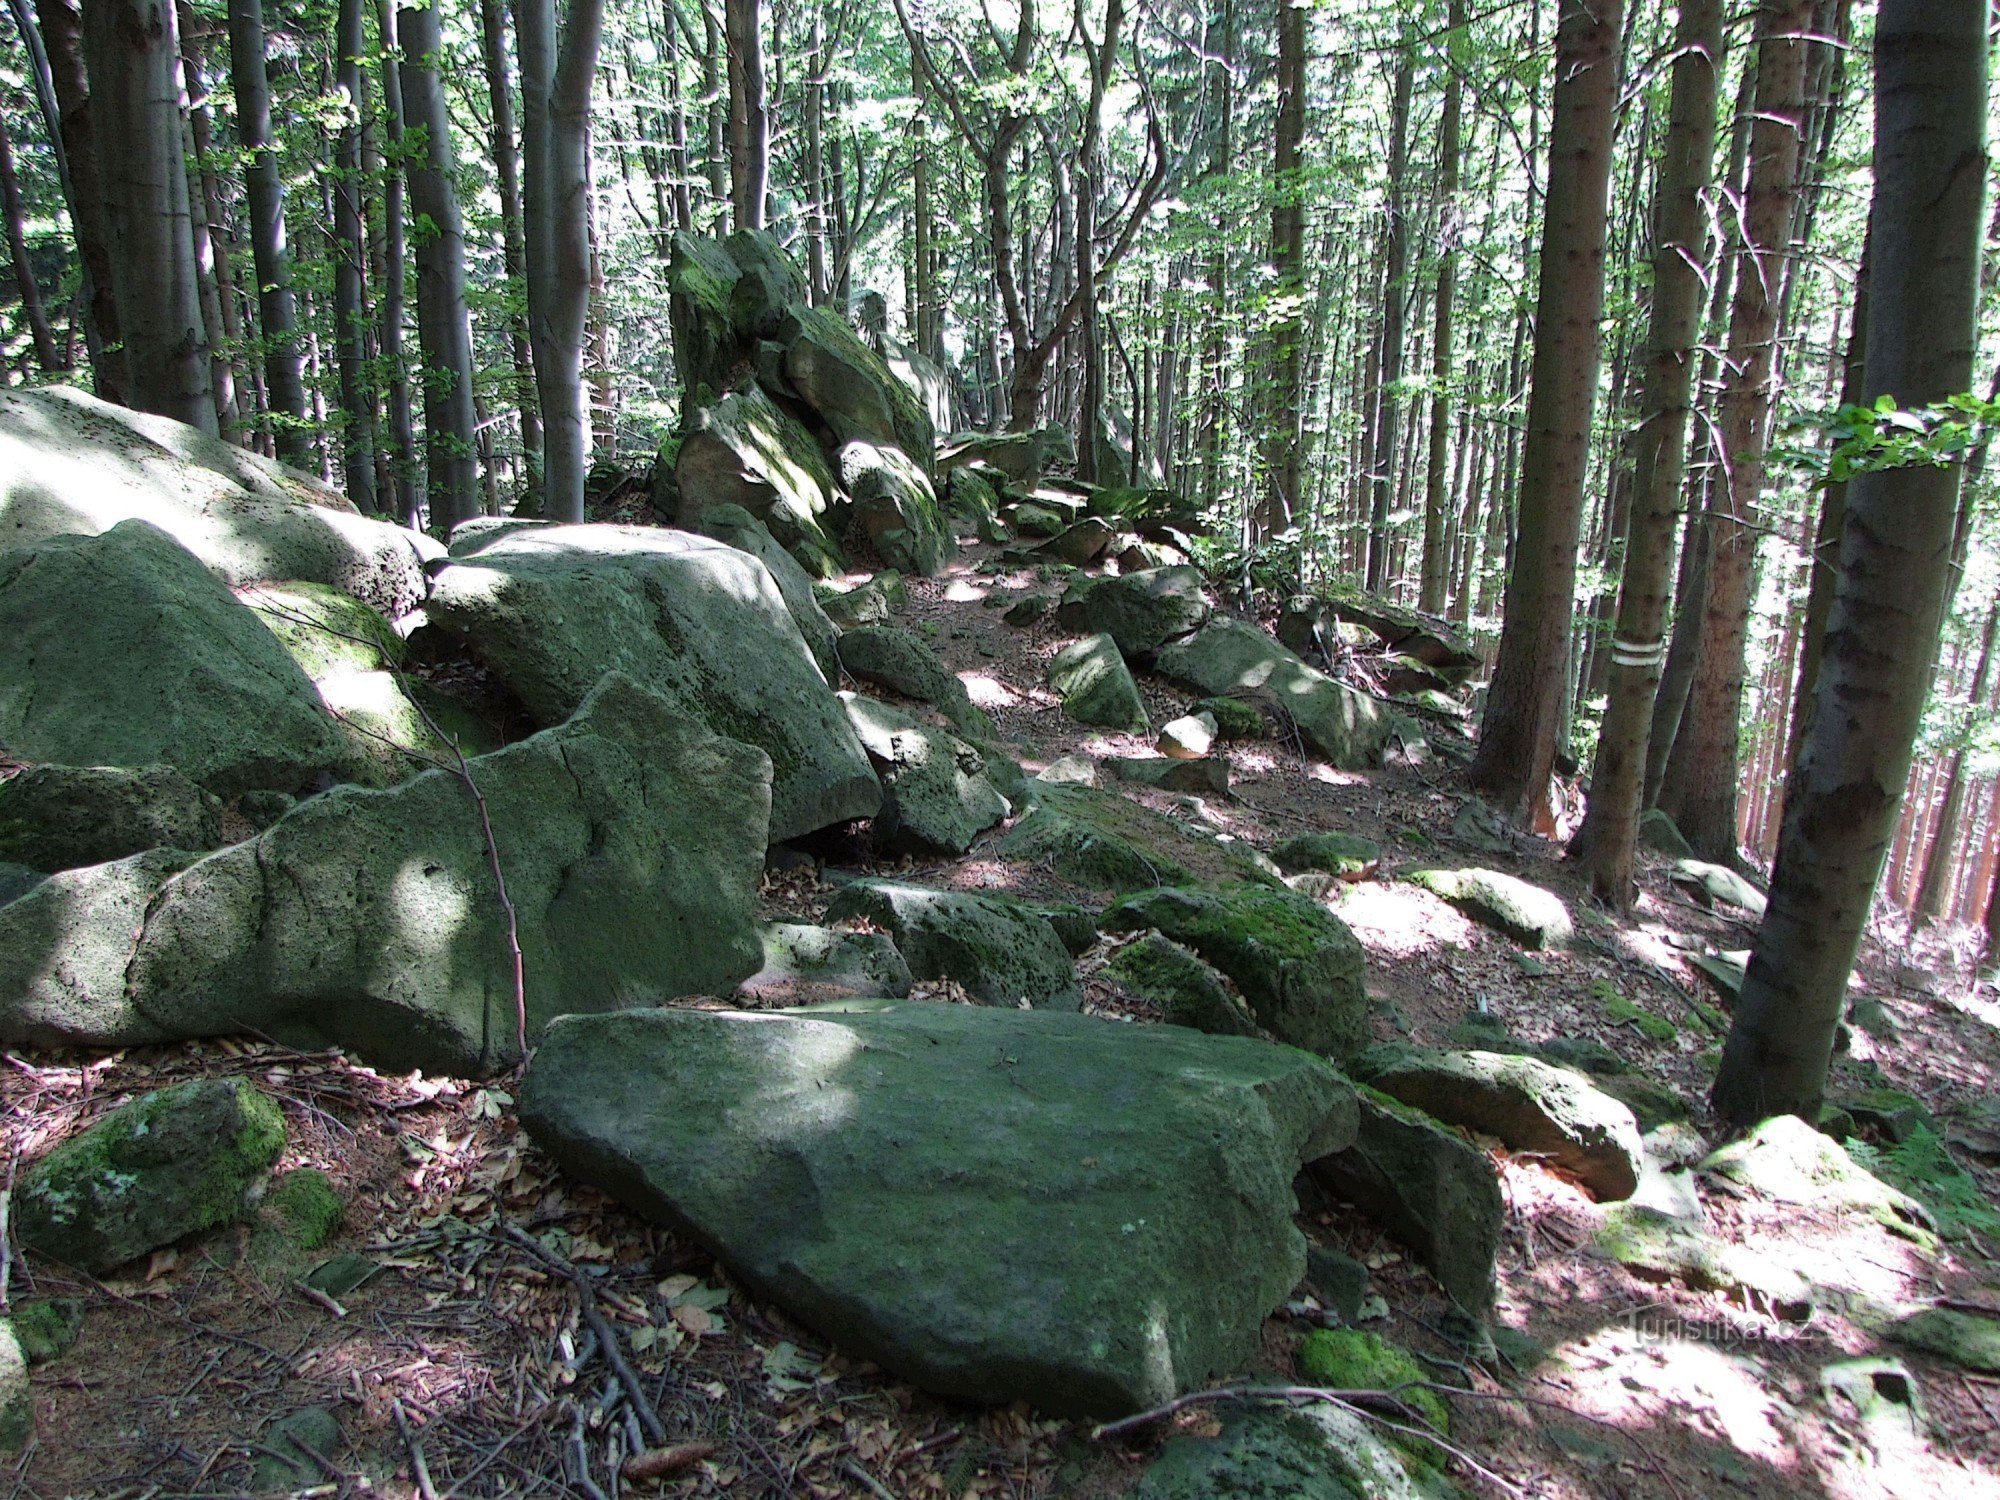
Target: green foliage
1924 1167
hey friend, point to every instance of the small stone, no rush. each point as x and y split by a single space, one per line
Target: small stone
1003 953
296 1444
1967 1340
1346 855
169 1164
1529 915
1188 737
1069 770
1188 991
1207 775
1338 1280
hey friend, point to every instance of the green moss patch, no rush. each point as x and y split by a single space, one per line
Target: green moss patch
1350 1359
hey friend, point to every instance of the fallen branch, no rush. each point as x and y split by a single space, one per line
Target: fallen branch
607 1337
663 1463
420 1471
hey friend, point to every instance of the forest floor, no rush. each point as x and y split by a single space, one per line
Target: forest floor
461 1366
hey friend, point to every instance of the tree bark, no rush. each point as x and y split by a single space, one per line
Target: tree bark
350 265
33 313
555 94
1284 426
1934 889
264 189
60 26
1929 173
1608 837
1395 298
133 53
1701 785
514 254
1434 581
443 327
1517 743
749 123
402 431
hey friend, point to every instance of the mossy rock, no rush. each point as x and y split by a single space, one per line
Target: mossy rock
1235 719
1621 1011
1531 916
17 1398
65 817
324 630
1347 855
1188 991
1897 1115
1096 686
1785 1160
1652 1103
1282 1452
308 1206
1965 1339
165 1166
48 1328
1108 842
1297 964
1352 1359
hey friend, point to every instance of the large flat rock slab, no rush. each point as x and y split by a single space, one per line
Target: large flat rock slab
995 1204
552 609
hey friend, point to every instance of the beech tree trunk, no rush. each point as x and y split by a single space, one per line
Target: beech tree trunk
264 190
1934 889
1608 837
1930 172
1524 709
133 53
443 327
555 94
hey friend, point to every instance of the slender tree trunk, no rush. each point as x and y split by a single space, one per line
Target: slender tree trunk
1284 424
402 431
1395 297
134 56
350 266
214 274
749 124
514 254
443 327
556 80
1930 170
1702 780
1524 710
1088 176
32 310
1608 837
59 23
277 314
1934 891
1435 580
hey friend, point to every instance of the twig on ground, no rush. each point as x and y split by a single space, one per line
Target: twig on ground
579 1452
607 1338
663 1463
315 1295
420 1471
868 1481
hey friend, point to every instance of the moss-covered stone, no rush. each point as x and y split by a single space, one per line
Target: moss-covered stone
1233 658
1281 1452
1235 719
896 507
64 817
1109 842
742 450
1352 1359
48 1328
1531 916
1096 687
1140 611
167 1165
1430 1188
1188 991
1000 951
1297 964
1896 1115
1659 832
1347 855
1966 1339
308 1206
1620 1010
17 1398
887 656
1787 1161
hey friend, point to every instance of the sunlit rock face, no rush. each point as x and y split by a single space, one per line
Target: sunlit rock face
632 842
550 610
995 1204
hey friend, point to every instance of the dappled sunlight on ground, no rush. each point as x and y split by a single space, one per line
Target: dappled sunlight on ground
988 692
1394 920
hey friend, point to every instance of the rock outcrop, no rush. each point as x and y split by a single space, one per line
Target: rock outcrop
550 611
